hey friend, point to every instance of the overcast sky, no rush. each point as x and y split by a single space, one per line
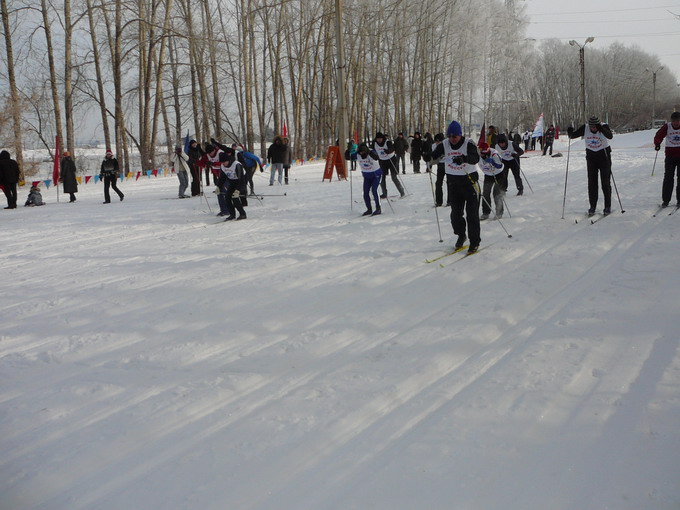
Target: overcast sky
649 25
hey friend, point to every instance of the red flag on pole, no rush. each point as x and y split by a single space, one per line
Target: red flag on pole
285 130
55 169
482 135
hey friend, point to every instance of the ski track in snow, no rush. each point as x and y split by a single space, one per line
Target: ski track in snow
308 358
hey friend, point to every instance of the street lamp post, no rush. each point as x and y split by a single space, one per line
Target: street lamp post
653 92
581 52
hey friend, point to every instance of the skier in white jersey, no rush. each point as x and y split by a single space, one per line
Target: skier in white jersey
388 162
671 132
370 169
460 156
598 159
494 180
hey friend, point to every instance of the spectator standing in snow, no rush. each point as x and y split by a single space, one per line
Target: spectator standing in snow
494 181
34 198
492 136
671 132
287 159
180 164
369 164
9 177
549 140
460 156
598 160
509 153
67 175
427 150
388 162
276 155
441 174
526 138
400 148
109 173
416 151
352 149
195 154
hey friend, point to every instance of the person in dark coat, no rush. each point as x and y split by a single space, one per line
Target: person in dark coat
400 148
416 151
670 131
549 139
67 175
427 150
276 154
287 159
9 177
195 154
109 173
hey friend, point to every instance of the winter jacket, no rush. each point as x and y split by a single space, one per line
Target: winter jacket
287 156
427 147
416 148
195 153
34 199
672 140
9 169
180 162
68 175
109 167
400 145
277 151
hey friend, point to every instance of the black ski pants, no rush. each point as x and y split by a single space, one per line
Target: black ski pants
464 198
493 185
512 166
11 194
110 181
439 185
389 167
599 163
671 168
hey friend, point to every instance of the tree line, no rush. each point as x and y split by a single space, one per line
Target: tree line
149 72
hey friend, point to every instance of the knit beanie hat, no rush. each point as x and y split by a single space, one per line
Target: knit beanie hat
593 121
454 129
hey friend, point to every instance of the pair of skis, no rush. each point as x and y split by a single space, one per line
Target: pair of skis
460 250
674 209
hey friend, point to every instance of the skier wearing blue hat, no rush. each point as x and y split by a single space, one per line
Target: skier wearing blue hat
460 156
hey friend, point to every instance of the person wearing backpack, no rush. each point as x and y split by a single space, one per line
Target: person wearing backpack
250 164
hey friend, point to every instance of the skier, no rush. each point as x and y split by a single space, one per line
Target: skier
68 176
388 163
598 159
369 163
427 151
109 173
494 180
231 182
460 156
509 153
180 164
671 132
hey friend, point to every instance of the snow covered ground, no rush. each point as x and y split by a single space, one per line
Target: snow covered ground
308 358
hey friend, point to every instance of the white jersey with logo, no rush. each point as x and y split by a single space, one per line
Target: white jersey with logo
450 154
507 153
230 169
487 167
382 151
595 141
368 165
672 136
215 162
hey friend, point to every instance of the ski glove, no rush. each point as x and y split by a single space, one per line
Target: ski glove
236 194
657 147
459 160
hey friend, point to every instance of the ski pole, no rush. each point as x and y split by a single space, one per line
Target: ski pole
475 186
436 213
654 165
403 186
617 190
564 200
200 182
525 178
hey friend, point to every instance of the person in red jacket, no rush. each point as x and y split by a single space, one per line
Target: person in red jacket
671 132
